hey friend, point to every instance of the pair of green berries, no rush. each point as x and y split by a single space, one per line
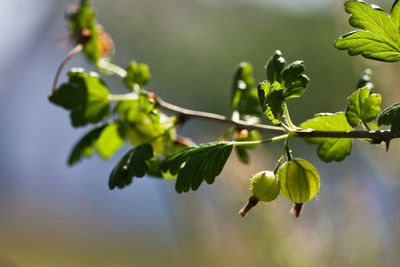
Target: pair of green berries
297 179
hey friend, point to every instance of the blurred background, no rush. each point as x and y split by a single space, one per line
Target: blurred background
52 215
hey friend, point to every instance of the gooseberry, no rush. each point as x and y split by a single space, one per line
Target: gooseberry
264 187
299 181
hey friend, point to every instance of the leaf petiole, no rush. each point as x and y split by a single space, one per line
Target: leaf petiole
287 116
124 97
365 124
287 150
273 139
108 66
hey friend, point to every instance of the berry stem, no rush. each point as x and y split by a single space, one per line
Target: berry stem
249 205
296 209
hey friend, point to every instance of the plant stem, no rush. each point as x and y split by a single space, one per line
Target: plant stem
227 134
249 205
188 113
78 48
108 66
288 120
366 126
377 136
287 150
125 97
276 138
296 210
280 161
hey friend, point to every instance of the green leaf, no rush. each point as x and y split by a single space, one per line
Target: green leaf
146 124
110 140
154 165
196 164
85 95
291 78
85 146
81 19
244 95
363 106
242 154
133 164
271 100
137 74
395 13
378 37
330 149
274 66
391 116
127 110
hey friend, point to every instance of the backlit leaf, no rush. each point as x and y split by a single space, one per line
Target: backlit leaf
133 164
197 164
110 140
363 106
378 36
271 100
330 149
85 95
85 146
291 78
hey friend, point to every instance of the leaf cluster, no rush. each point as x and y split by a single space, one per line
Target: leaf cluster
85 95
284 81
84 30
363 108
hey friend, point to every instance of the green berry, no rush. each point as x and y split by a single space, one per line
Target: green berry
299 180
265 186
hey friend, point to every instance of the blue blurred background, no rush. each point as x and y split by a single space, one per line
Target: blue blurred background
52 215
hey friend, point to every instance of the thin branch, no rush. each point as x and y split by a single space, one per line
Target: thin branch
375 136
188 113
78 48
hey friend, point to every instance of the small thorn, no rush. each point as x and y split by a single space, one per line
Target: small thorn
181 119
387 145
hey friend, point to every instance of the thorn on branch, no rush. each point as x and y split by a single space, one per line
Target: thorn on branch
387 142
181 119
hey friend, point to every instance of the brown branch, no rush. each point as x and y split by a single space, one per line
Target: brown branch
188 113
376 136
78 48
